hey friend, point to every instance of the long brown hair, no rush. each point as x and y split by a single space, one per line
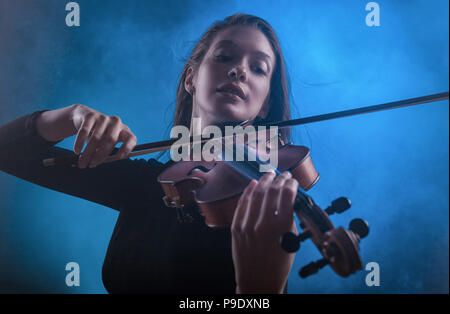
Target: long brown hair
279 108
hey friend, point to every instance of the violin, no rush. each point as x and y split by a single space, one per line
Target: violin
215 187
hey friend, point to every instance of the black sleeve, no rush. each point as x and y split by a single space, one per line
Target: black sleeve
112 184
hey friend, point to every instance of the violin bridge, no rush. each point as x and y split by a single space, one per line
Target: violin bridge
174 202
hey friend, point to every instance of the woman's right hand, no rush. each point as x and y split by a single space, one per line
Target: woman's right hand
101 133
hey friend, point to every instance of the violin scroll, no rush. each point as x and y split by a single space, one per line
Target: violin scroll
338 246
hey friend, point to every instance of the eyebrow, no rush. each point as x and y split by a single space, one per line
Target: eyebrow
230 42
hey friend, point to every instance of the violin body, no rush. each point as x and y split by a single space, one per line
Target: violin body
215 186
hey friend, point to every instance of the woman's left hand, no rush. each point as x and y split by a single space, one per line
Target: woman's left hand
263 214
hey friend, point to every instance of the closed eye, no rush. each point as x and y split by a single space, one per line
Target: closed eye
260 71
223 58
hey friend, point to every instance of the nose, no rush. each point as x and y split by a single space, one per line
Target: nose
238 72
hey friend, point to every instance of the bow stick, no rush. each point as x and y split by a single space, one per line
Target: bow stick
149 148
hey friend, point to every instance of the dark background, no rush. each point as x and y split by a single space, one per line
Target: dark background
125 59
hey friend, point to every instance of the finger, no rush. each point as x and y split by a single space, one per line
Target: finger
83 133
107 143
257 198
242 205
93 142
272 200
285 213
129 142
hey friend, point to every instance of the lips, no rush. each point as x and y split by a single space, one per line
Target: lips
232 89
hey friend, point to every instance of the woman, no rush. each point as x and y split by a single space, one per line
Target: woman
150 251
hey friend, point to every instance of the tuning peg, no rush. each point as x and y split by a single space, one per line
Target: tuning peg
290 242
338 206
312 268
360 227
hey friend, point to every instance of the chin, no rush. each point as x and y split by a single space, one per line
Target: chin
230 111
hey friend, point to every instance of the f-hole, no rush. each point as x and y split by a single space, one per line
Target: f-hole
201 168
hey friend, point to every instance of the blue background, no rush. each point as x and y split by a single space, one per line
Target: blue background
125 59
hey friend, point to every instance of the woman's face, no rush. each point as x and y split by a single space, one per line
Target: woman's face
239 61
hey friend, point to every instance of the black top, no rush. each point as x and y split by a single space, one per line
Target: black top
150 251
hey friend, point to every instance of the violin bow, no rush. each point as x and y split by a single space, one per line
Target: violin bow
361 110
149 148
